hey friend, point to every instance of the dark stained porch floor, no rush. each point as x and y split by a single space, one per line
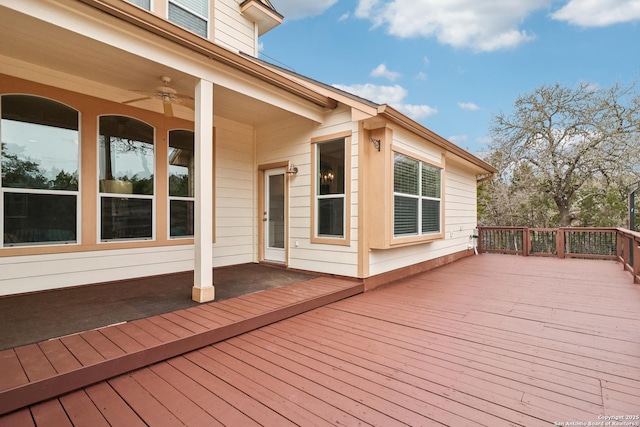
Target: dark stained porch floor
491 340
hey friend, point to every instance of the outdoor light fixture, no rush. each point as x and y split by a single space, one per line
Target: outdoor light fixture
292 170
376 143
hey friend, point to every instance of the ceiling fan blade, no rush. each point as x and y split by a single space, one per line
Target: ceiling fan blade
168 109
136 100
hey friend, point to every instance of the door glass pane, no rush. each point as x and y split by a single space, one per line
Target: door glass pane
39 218
276 211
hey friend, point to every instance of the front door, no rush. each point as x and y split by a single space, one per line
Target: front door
274 215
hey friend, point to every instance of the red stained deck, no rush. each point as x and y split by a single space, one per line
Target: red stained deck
490 340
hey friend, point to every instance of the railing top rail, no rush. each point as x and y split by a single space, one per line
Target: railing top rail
628 233
500 228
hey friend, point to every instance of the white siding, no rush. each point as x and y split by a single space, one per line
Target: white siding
291 141
235 194
40 272
460 220
232 30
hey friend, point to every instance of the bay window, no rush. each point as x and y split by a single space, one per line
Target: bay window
126 178
416 197
39 171
181 175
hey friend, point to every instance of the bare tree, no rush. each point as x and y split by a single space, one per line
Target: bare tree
570 137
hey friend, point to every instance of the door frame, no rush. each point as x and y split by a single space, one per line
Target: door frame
261 206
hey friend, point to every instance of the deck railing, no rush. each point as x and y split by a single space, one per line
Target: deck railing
595 243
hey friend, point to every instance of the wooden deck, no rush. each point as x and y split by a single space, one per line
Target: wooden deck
37 372
492 340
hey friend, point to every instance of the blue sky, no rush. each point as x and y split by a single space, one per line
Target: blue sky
453 64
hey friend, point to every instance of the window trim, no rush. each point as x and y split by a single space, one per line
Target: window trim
17 190
100 195
397 241
344 240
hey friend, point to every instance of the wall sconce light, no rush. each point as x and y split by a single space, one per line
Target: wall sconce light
376 143
292 170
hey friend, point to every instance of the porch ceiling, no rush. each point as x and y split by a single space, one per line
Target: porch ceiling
51 55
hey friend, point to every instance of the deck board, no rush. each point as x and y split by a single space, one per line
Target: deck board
37 372
491 340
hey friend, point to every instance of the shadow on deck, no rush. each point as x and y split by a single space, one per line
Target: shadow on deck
42 370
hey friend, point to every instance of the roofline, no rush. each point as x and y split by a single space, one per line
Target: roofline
174 33
397 117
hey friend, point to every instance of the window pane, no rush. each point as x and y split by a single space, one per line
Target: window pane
405 215
146 4
430 216
39 144
124 218
181 163
331 163
331 217
200 7
430 181
39 218
187 20
405 174
181 218
126 156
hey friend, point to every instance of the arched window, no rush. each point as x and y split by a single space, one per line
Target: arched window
181 175
39 171
126 178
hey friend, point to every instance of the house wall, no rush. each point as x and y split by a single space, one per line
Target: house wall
231 29
291 141
235 194
39 267
460 220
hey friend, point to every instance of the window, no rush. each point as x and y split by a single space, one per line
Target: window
126 178
330 188
181 201
145 4
39 171
416 197
190 14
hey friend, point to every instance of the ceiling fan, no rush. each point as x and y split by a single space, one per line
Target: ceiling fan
167 95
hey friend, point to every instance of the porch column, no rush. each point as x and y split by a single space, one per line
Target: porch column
203 289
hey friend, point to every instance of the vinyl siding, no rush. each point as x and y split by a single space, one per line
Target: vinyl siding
232 30
235 194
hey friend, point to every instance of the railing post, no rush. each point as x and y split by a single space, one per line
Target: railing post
526 242
619 247
635 268
479 242
560 247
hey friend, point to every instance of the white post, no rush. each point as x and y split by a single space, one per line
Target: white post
203 289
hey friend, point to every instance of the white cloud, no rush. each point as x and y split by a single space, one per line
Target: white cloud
600 13
382 71
421 75
469 106
391 95
485 25
344 17
458 139
300 9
